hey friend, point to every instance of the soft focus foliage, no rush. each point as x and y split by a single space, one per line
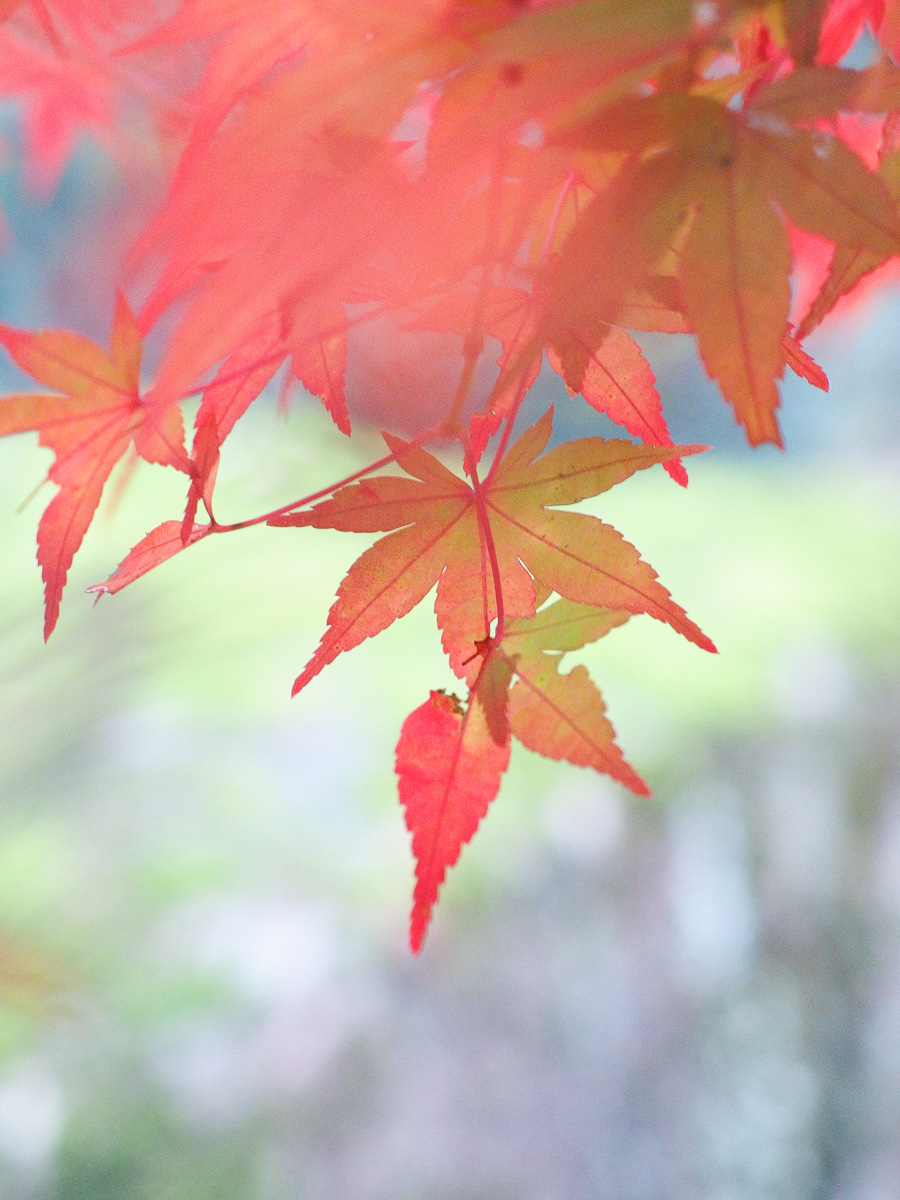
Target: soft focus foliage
524 178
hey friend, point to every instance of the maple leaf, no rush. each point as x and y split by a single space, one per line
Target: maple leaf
89 422
237 383
450 760
851 264
158 546
448 534
333 193
65 95
449 764
719 180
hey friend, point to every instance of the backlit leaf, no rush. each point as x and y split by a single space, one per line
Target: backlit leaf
449 764
89 429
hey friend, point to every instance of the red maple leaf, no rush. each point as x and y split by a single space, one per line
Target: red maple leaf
63 98
449 763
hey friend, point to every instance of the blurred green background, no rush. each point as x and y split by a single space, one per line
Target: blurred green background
204 885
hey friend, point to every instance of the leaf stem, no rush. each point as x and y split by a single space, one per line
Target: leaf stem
419 440
286 508
556 215
484 524
474 340
552 227
510 422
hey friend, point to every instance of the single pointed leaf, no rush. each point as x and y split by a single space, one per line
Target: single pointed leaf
321 367
734 279
29 412
80 475
161 544
591 563
620 382
803 364
482 428
524 450
561 626
851 264
490 693
70 363
387 581
205 466
573 471
237 383
125 342
380 504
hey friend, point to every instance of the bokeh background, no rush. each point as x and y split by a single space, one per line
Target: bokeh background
204 886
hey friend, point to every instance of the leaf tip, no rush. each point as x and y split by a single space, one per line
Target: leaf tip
418 927
640 788
676 471
309 672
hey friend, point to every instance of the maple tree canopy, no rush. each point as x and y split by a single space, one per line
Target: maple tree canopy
532 179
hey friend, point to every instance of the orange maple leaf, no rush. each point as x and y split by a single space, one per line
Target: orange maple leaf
486 550
563 716
717 182
89 421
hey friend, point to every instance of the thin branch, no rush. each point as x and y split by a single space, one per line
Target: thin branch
510 422
484 525
552 227
419 440
286 508
474 340
556 215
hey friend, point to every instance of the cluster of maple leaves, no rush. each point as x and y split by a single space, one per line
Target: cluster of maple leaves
578 169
